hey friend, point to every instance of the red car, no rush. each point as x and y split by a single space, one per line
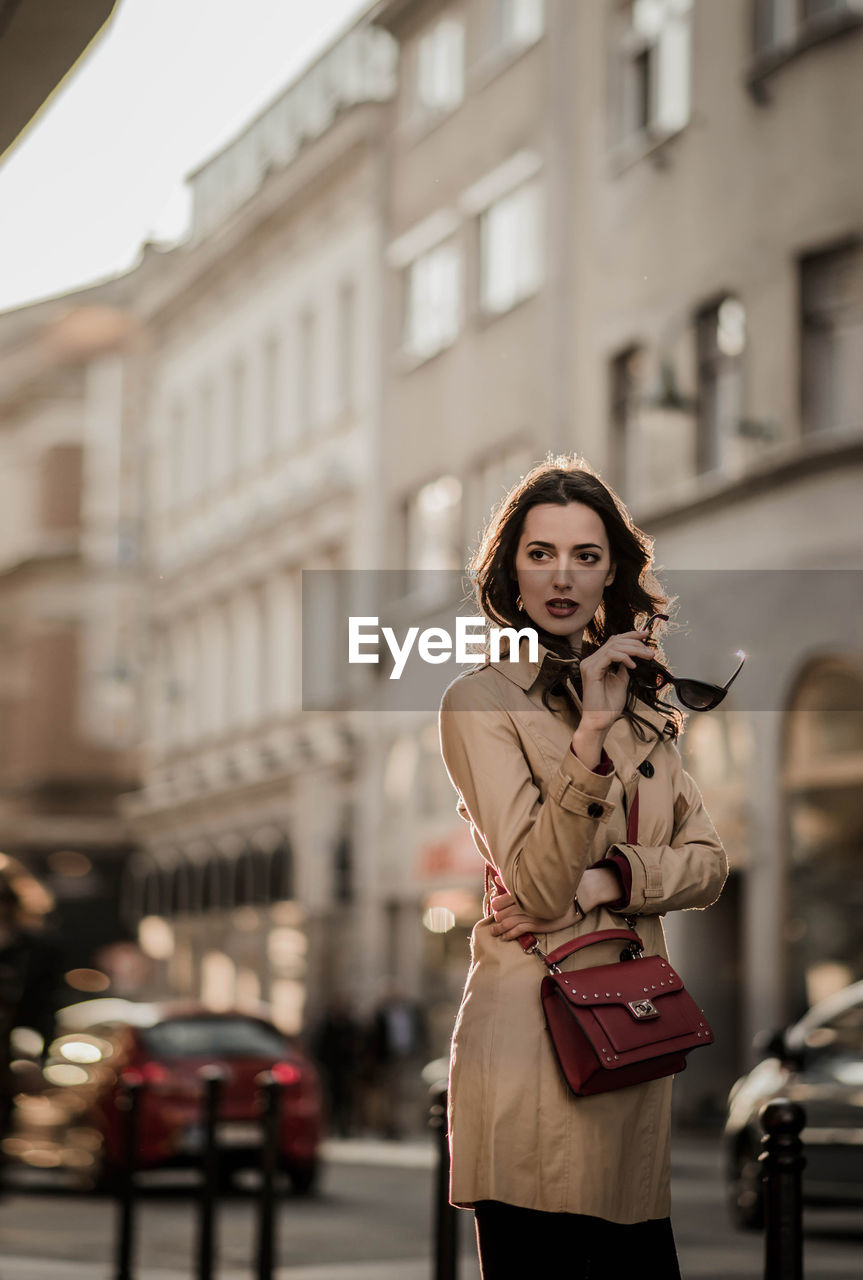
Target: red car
75 1122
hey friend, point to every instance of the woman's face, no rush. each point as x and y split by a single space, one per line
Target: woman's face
563 555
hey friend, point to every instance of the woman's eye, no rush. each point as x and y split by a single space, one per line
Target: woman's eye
591 556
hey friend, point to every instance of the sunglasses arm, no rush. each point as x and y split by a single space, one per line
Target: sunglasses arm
742 657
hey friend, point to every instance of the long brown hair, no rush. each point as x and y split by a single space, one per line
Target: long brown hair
562 479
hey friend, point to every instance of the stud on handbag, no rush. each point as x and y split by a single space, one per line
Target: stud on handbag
619 1024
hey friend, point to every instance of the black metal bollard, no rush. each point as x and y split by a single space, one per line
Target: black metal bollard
212 1079
445 1263
129 1102
269 1102
782 1121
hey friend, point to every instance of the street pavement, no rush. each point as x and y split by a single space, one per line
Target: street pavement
371 1221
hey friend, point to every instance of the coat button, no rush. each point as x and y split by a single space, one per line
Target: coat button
594 810
646 768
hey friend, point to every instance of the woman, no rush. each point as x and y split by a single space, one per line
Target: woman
546 757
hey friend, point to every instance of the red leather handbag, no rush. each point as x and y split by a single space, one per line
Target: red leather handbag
618 1024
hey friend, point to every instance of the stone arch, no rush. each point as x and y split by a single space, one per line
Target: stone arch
822 780
252 877
216 880
152 890
280 872
186 895
134 890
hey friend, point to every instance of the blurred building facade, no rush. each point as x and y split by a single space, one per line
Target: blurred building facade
475 315
470 233
718 356
68 606
260 433
634 229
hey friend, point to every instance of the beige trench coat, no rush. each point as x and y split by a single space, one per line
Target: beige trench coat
516 1132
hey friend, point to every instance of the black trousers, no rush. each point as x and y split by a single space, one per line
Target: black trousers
514 1242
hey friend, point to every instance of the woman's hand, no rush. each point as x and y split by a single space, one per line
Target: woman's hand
511 921
605 679
598 885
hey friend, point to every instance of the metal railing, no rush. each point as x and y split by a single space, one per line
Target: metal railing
445 1217
782 1161
206 1250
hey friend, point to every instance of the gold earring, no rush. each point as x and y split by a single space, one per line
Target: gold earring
519 603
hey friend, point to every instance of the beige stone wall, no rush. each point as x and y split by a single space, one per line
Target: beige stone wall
726 205
492 387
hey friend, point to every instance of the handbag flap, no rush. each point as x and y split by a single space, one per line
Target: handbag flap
627 1007
617 983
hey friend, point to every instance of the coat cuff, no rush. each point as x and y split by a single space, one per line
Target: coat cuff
580 790
693 876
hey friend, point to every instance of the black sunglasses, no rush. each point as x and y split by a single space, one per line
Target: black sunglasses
697 695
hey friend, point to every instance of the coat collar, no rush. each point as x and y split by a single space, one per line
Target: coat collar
525 673
549 667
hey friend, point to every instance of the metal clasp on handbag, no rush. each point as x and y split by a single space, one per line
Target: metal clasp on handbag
643 1008
633 950
536 949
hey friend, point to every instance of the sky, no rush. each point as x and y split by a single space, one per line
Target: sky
101 169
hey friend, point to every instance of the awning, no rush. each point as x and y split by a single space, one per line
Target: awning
40 42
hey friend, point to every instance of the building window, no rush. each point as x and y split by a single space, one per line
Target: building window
347 338
247 675
59 487
306 372
653 426
434 520
324 630
271 398
178 455
211 660
190 453
720 340
510 249
219 436
488 482
831 295
433 301
814 8
655 68
517 23
223 692
188 667
160 707
783 22
237 420
205 475
627 392
283 613
343 871
774 22
440 67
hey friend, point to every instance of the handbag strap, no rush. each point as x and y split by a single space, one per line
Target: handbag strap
632 821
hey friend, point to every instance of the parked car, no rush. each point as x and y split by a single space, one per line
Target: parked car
817 1062
74 1119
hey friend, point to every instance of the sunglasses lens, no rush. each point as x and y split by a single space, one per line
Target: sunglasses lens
697 696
